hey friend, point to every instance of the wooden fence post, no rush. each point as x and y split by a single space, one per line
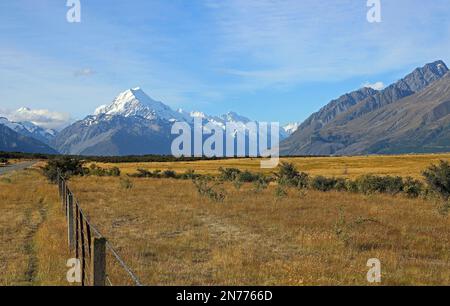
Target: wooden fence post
63 195
59 185
98 262
70 222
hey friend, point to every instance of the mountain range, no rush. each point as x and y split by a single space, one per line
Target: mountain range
411 115
134 124
12 141
408 116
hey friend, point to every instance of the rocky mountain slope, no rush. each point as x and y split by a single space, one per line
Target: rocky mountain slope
30 130
11 141
348 126
134 124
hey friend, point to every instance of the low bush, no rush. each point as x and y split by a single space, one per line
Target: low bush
340 184
169 174
66 165
142 173
288 175
261 184
351 186
438 179
379 184
280 192
322 183
95 170
229 174
249 177
413 188
208 190
189 175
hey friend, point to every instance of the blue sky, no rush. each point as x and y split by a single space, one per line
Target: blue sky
266 59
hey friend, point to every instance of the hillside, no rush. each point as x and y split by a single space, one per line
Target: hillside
368 121
11 141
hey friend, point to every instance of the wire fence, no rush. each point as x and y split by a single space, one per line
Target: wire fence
99 261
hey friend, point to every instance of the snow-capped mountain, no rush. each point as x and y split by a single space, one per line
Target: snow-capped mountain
29 129
12 141
132 124
114 135
135 102
291 128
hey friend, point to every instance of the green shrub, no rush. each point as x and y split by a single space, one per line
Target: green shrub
114 171
379 184
302 180
340 184
229 174
205 189
438 179
322 183
260 184
142 173
67 165
98 171
288 175
351 186
249 177
169 174
189 175
413 188
280 192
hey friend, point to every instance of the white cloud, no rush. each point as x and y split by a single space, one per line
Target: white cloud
266 42
40 117
376 85
85 72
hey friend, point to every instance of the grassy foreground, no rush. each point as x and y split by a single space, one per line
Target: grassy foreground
33 247
171 235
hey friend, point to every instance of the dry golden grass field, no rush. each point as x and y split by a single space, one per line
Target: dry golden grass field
171 235
33 247
348 167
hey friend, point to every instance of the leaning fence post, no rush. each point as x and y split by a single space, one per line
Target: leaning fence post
70 223
98 262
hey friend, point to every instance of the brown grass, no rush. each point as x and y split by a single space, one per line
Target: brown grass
172 236
32 243
349 167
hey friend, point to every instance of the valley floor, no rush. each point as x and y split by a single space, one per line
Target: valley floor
347 167
171 235
33 247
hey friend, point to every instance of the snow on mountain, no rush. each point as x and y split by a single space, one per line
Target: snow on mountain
135 102
291 127
134 124
29 129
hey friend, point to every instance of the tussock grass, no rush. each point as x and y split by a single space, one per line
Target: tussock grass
346 167
171 235
33 249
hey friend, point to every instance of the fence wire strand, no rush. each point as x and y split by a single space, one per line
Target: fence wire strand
81 217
